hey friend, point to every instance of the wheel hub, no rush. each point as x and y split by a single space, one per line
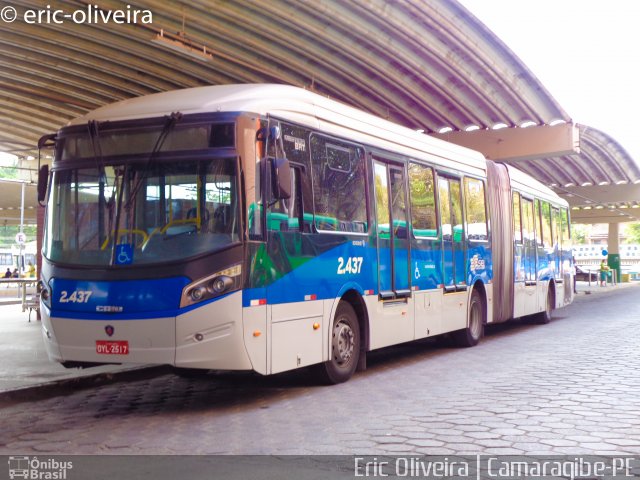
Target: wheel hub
343 342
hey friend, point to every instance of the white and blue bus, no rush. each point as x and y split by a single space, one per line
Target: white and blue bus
266 228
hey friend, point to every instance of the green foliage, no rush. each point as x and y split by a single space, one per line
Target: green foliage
8 234
633 233
579 234
9 172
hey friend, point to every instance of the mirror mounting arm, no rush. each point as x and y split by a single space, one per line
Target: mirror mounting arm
46 141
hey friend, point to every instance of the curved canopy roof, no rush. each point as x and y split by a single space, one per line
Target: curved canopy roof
424 64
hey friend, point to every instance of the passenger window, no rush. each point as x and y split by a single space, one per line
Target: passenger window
528 233
557 227
517 219
339 185
295 143
476 213
422 198
566 229
538 215
547 237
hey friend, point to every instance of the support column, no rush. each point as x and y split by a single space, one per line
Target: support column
614 249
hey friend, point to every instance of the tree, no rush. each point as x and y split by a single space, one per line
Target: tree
633 233
579 234
8 172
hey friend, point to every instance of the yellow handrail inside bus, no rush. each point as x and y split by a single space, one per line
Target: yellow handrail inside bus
123 232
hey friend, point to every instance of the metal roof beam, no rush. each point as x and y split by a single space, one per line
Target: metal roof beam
594 216
516 144
605 194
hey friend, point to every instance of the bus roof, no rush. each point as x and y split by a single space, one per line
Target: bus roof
529 185
296 105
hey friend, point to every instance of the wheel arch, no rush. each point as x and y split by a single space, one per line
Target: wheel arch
554 294
354 298
479 287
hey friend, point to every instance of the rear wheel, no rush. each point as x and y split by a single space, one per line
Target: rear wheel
345 347
544 317
470 336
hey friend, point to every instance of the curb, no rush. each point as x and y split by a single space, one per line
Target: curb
71 385
10 302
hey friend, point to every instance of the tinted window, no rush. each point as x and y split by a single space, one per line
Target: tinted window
566 232
547 237
517 220
423 204
538 216
338 185
476 210
286 214
527 220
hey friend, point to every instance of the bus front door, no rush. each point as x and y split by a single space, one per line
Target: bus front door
395 309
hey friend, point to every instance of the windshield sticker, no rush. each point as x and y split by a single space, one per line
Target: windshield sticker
124 254
299 143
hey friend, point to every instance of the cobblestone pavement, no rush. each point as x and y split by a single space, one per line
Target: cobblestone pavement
570 387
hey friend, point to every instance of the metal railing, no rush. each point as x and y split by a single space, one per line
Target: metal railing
612 275
32 302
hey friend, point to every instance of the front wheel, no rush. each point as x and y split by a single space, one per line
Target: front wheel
470 336
345 347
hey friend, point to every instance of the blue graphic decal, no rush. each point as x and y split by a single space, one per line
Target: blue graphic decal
118 297
323 277
326 275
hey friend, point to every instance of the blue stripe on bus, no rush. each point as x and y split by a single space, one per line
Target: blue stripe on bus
326 275
128 296
151 315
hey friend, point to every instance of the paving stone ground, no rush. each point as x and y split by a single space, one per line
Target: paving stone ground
569 387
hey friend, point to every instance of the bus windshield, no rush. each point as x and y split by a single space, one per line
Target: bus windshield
142 213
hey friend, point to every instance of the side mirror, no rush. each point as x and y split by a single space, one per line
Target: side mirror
281 174
43 180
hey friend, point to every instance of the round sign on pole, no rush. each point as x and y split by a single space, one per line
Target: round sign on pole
21 237
604 252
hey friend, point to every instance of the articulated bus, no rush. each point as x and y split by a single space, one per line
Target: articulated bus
267 228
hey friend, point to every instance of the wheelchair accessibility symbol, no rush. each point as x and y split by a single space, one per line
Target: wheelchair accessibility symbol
124 254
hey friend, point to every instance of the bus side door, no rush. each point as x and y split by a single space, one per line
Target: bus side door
453 235
393 321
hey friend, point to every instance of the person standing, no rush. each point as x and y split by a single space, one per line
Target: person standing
604 272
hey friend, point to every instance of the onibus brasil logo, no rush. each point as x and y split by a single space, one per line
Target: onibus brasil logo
33 468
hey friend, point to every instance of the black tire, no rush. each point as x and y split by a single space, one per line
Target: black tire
345 347
470 336
545 316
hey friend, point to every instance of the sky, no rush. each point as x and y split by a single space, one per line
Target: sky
585 52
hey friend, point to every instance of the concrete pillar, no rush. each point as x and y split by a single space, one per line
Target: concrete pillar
613 243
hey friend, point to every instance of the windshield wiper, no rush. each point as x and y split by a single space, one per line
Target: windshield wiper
94 137
170 122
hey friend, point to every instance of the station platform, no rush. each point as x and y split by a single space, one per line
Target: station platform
26 372
25 369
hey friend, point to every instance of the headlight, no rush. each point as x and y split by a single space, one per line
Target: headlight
45 294
212 286
220 284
